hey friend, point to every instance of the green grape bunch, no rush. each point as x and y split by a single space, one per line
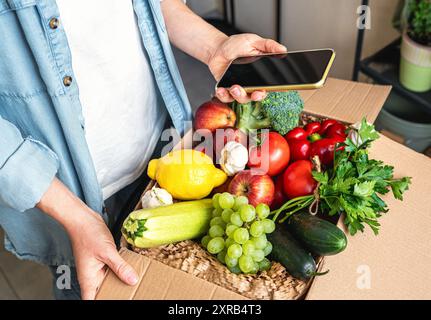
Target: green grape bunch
237 234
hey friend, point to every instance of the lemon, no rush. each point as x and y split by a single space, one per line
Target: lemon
186 174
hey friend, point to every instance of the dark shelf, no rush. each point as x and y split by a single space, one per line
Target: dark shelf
383 67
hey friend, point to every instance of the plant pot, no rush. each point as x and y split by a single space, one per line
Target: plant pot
415 65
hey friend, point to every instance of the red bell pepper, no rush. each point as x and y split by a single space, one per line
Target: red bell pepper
316 139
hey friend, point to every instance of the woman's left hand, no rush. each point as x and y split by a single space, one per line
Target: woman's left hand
239 46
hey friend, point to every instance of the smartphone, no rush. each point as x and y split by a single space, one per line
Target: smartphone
293 70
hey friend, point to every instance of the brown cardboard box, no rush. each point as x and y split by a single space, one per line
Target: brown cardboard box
395 264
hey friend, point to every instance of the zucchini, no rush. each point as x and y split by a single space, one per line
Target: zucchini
286 250
168 224
318 236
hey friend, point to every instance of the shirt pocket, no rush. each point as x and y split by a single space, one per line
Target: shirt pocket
19 73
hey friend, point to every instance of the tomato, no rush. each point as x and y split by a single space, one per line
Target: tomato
272 155
298 180
279 196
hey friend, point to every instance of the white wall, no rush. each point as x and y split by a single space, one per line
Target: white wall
310 24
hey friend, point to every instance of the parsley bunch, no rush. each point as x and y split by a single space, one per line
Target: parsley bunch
354 185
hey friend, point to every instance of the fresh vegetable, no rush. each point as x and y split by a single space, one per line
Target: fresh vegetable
186 174
354 185
287 251
156 197
271 154
214 115
238 234
279 196
318 236
298 179
234 157
153 227
222 136
279 111
316 139
257 187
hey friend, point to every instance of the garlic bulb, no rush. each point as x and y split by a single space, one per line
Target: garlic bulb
234 157
156 197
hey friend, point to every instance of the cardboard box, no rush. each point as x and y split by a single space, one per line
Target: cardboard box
393 265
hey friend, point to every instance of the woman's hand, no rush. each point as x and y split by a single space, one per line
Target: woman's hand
92 243
94 250
239 46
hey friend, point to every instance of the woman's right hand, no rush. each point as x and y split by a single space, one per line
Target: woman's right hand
92 243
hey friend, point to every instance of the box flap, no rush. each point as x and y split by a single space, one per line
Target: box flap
346 100
160 282
396 263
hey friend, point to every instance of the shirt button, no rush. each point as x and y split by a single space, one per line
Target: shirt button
54 23
67 81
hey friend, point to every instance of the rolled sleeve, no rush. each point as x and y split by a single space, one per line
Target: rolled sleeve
26 174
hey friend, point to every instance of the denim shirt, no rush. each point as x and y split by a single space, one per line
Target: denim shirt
41 123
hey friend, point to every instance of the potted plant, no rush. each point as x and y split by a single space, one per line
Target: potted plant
415 65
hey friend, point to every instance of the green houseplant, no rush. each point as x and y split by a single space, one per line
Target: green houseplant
415 65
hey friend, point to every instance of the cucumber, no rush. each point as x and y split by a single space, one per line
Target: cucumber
318 236
286 250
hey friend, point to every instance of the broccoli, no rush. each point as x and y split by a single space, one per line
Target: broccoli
279 111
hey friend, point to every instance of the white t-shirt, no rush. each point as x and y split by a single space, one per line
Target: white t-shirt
123 114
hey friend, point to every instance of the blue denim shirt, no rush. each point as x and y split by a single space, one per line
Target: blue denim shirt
41 122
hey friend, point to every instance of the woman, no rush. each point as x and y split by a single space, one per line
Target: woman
65 153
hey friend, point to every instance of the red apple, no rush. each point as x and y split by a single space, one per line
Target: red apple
214 115
258 188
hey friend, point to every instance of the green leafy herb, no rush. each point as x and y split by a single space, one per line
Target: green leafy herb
354 185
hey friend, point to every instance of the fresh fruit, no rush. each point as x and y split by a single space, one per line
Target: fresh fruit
324 149
316 139
298 179
153 227
215 245
186 174
214 115
241 235
279 196
241 243
247 212
319 236
262 210
258 188
271 155
226 200
286 250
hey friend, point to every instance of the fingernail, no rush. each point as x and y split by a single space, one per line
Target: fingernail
236 92
259 96
220 92
132 278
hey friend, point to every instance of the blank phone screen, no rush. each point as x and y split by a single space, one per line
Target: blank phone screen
295 68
